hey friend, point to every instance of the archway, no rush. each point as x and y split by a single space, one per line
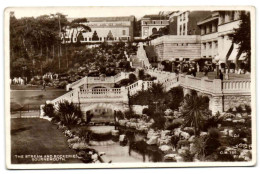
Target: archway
154 30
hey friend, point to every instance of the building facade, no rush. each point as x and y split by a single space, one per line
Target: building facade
209 36
113 29
173 47
215 36
187 22
150 24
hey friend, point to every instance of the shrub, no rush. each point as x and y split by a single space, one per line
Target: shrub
49 110
69 113
174 140
175 124
232 66
182 143
187 156
159 121
239 109
212 142
248 109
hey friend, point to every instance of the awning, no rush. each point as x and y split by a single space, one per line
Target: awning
233 55
242 56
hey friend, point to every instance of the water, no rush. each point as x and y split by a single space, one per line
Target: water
134 149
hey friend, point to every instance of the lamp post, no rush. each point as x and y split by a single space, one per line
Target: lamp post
181 63
216 58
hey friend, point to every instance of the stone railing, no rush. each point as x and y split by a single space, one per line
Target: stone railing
237 86
102 93
97 80
215 86
66 97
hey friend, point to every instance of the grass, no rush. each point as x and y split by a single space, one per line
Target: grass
36 136
33 98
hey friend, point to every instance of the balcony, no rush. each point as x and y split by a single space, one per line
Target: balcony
209 37
227 28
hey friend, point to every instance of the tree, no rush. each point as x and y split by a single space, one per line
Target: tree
194 111
175 97
95 36
78 26
242 36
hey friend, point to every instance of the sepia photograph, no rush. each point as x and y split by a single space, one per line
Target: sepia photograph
117 87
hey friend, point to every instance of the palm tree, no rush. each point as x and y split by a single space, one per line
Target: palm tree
194 111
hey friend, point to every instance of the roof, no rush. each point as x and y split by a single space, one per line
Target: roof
155 17
211 17
107 19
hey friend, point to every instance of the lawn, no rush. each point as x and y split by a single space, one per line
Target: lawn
36 136
33 98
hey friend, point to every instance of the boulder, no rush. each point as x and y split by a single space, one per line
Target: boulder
94 157
184 135
122 138
203 133
153 140
192 138
165 148
80 146
115 132
122 122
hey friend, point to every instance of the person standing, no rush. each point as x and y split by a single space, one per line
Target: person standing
221 75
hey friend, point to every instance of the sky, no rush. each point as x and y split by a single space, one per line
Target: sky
73 12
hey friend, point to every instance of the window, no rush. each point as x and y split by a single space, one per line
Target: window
232 15
86 39
181 17
180 30
123 32
183 29
184 16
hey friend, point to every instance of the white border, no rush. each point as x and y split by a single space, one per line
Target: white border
130 165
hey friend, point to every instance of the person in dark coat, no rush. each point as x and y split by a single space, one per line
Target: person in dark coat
221 75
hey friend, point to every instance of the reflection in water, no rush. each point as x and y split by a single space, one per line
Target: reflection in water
131 148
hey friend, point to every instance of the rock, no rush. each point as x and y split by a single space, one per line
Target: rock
133 125
177 131
184 135
94 157
122 138
193 149
192 138
203 133
168 112
80 146
231 133
188 129
238 115
241 121
74 140
165 133
101 153
122 122
153 140
165 148
115 132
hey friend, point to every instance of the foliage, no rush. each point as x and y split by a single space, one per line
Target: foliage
49 110
194 111
242 36
69 113
174 124
141 74
159 121
212 142
174 98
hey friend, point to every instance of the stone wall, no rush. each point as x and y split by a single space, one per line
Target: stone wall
231 101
